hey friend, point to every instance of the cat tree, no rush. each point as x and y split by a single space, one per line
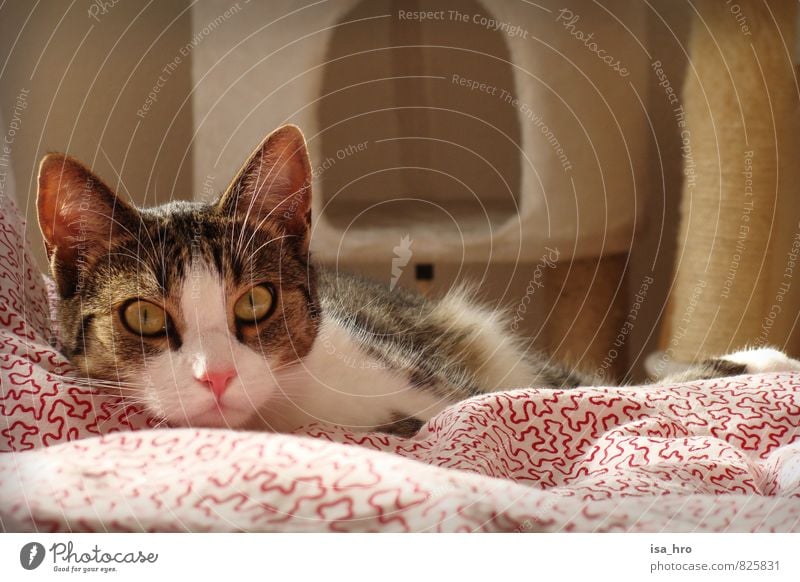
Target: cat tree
735 280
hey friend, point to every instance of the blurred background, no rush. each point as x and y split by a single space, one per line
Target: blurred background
618 175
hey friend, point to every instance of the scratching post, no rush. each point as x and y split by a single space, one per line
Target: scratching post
738 220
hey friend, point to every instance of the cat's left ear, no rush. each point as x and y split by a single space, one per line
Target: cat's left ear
274 185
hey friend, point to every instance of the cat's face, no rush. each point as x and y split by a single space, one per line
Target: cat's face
196 309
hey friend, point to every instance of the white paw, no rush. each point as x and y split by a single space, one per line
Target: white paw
762 360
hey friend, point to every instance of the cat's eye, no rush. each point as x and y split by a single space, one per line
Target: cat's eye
144 318
255 305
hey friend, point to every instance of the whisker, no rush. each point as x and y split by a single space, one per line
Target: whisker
126 400
253 254
100 382
107 387
286 365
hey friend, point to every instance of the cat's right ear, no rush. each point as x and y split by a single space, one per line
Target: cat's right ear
274 184
78 215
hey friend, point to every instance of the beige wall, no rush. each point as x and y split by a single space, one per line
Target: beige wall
83 79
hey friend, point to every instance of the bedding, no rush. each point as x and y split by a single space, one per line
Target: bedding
719 455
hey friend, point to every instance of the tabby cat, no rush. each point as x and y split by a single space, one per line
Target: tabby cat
212 314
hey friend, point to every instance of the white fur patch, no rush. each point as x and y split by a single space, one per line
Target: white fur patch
208 342
337 383
761 360
504 365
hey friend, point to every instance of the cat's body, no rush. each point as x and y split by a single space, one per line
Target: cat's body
214 315
389 360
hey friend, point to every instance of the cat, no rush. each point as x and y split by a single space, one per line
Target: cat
213 314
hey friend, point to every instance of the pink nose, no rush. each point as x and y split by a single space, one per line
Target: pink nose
217 380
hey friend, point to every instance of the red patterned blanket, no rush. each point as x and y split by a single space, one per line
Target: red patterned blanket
720 455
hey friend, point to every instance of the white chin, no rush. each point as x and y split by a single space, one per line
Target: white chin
212 418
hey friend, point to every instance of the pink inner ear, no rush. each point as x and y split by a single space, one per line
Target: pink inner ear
275 183
75 208
57 177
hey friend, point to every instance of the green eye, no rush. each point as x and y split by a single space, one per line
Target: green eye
254 305
145 318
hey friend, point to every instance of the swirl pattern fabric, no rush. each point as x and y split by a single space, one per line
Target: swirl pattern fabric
720 455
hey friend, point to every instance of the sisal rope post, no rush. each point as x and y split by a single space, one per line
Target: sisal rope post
739 210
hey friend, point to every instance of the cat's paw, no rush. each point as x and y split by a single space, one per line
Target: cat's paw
761 360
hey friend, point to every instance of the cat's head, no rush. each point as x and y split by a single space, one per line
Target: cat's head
195 308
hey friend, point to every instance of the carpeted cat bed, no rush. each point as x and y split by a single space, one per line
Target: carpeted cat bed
719 455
